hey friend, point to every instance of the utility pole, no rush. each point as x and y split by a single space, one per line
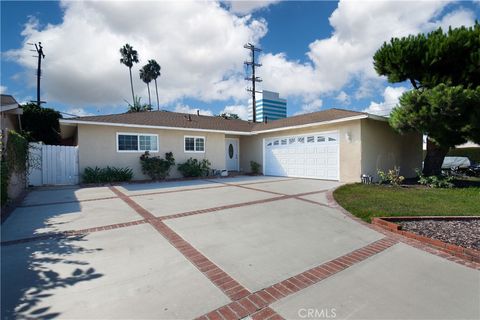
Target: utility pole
40 56
253 78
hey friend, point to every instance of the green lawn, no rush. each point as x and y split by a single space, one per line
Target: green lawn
367 201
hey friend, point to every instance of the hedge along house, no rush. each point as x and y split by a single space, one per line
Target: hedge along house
334 144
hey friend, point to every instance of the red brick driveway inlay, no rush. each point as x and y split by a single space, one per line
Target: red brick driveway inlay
256 304
54 235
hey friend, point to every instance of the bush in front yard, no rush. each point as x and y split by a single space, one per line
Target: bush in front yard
155 167
106 175
255 167
391 177
194 168
435 181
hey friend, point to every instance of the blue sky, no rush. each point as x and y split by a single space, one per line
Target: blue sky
316 54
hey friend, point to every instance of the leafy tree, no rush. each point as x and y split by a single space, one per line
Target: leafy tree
444 70
129 57
227 115
138 106
155 73
146 76
41 124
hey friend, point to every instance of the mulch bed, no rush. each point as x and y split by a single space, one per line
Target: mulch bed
462 232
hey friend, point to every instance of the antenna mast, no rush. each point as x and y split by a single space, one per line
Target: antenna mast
40 56
253 78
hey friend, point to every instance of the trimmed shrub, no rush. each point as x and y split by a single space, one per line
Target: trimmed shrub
255 167
155 167
106 175
435 181
194 168
391 177
14 159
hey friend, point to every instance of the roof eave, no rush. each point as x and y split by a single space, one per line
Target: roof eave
111 124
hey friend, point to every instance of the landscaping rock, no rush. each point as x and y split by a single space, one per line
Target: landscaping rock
464 233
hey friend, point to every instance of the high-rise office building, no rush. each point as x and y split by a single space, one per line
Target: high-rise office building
269 105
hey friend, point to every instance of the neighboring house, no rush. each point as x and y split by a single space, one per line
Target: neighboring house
333 144
10 112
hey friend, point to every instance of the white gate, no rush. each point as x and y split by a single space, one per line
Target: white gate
52 165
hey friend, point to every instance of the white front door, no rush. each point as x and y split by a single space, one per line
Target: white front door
313 155
231 154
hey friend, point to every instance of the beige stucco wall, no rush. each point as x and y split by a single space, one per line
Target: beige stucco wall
383 148
98 147
350 151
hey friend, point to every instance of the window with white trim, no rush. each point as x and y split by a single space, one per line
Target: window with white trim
136 142
194 144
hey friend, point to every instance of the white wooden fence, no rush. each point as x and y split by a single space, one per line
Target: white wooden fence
52 165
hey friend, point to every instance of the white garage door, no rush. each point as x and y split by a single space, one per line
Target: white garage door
306 156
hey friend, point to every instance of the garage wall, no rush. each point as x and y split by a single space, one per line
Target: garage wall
98 147
383 148
251 147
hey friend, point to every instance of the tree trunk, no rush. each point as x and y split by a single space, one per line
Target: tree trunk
156 89
131 85
149 99
432 165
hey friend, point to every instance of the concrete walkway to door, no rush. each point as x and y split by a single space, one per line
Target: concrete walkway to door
259 247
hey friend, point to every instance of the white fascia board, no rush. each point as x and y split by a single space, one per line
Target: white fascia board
314 124
124 125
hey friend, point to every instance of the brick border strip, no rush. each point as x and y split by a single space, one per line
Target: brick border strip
217 276
63 234
455 250
257 304
401 238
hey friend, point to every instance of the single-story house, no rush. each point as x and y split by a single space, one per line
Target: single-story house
334 144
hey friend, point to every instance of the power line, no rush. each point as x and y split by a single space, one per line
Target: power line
253 78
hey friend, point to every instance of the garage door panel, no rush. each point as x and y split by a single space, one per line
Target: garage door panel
310 156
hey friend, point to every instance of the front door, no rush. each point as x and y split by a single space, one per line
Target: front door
231 154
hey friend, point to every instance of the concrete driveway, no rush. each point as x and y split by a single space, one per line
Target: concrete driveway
258 247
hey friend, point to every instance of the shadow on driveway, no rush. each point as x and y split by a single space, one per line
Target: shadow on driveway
28 275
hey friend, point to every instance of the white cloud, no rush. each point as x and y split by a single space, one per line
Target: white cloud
199 45
240 110
79 112
182 108
311 106
343 98
390 100
359 29
3 89
245 7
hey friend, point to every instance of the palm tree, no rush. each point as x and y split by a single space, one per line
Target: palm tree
155 73
138 106
129 57
146 76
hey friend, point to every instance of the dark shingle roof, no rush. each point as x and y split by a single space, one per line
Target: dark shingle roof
193 121
172 119
6 99
308 118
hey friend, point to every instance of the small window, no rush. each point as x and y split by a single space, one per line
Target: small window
301 140
331 139
291 140
275 143
283 142
269 144
320 139
194 144
310 139
137 142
